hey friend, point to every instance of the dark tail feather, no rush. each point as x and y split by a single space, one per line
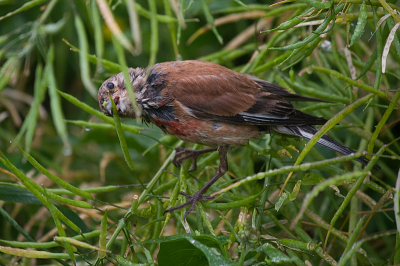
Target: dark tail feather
308 132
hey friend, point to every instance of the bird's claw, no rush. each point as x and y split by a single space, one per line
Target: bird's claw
192 200
183 154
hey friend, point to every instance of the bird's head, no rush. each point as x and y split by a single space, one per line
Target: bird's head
116 88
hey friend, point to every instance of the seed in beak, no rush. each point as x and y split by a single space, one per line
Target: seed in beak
116 99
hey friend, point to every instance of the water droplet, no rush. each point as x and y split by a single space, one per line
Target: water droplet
87 129
67 150
192 241
326 46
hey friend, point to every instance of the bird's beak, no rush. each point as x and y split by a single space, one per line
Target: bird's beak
123 105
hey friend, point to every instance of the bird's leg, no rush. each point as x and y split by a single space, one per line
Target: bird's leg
193 199
183 154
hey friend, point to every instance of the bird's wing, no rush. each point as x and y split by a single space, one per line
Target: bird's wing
278 90
212 92
269 109
222 95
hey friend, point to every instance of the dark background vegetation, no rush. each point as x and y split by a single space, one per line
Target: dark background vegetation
357 201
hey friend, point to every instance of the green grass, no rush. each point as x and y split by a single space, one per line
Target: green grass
79 187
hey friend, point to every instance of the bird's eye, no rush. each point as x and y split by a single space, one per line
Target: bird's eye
110 86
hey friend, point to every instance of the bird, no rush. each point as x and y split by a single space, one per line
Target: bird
206 103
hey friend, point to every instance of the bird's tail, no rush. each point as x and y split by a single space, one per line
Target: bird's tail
308 132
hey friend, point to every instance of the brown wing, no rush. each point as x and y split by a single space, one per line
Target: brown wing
278 90
208 87
212 92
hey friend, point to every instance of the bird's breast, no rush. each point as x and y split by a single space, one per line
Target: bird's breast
177 128
207 132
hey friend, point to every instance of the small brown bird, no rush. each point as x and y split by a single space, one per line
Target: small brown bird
205 103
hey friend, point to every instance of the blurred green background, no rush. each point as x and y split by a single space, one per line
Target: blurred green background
35 117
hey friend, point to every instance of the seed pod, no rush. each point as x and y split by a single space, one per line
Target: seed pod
316 4
361 23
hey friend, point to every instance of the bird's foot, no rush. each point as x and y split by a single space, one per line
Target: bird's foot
183 154
222 168
192 200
